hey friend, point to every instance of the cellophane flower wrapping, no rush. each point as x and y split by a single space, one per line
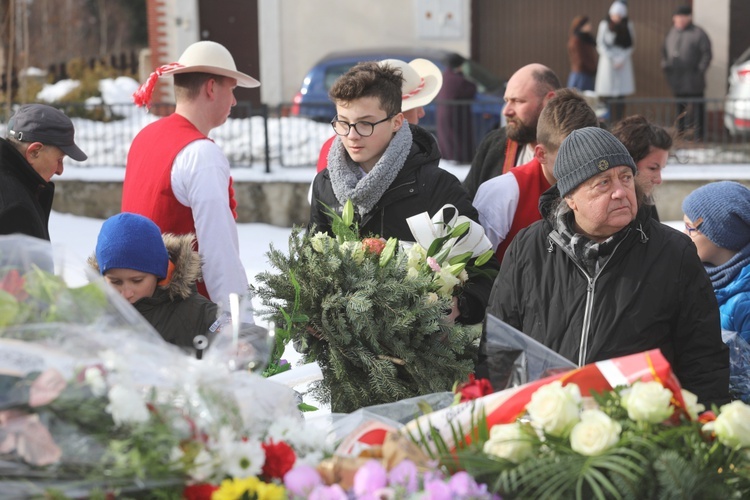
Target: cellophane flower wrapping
739 365
92 397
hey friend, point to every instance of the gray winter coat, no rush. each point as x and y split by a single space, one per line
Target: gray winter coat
685 57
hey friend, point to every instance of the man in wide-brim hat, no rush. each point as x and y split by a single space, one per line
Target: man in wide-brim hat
179 178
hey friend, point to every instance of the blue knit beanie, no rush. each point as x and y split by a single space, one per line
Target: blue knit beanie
131 241
721 211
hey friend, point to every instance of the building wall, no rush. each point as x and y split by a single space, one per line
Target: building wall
295 34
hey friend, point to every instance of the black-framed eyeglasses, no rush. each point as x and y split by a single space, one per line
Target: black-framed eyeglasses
690 229
363 128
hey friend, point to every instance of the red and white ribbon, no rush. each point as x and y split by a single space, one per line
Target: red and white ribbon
142 96
414 92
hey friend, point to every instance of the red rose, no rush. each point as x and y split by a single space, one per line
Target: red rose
200 491
474 388
373 245
280 458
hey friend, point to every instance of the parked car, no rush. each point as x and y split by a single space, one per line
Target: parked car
737 103
312 99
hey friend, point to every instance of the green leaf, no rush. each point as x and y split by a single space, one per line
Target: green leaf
460 230
347 215
484 258
388 252
306 407
461 258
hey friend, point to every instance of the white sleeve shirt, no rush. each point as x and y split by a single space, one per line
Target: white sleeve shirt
497 201
200 180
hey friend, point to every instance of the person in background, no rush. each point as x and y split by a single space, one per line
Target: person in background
179 178
685 57
510 202
717 219
582 54
598 279
615 40
649 145
39 137
156 274
422 82
389 169
526 93
454 127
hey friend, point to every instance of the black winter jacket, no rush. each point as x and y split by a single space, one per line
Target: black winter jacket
652 293
488 160
420 186
25 197
176 310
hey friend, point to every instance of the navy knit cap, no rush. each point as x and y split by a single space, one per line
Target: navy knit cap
585 153
721 212
131 241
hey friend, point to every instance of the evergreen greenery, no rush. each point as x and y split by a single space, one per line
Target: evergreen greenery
378 335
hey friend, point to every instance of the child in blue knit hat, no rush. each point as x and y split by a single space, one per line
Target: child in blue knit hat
157 274
717 219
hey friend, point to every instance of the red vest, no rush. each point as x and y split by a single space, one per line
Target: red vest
531 184
147 189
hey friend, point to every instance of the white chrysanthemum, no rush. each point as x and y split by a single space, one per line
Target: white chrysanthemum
242 458
126 406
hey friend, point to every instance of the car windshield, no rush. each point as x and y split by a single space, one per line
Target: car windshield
335 71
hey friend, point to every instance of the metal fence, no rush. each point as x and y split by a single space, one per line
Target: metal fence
267 137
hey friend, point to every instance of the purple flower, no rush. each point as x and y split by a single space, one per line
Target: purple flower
283 362
464 486
333 492
302 480
405 476
370 477
438 490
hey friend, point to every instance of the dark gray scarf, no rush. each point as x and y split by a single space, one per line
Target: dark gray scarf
589 253
349 182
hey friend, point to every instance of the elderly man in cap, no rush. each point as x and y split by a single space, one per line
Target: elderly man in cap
179 178
598 279
39 137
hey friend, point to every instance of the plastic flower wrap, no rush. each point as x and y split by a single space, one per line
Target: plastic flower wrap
91 397
739 365
372 314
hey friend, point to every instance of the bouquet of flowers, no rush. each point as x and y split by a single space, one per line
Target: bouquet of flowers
92 398
371 313
639 440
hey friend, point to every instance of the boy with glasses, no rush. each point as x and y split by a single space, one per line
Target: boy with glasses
388 168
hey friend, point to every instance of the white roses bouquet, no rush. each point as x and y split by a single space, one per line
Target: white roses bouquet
631 442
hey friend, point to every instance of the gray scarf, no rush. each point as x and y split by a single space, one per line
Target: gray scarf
347 179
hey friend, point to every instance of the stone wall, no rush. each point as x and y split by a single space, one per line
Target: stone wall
278 203
285 203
